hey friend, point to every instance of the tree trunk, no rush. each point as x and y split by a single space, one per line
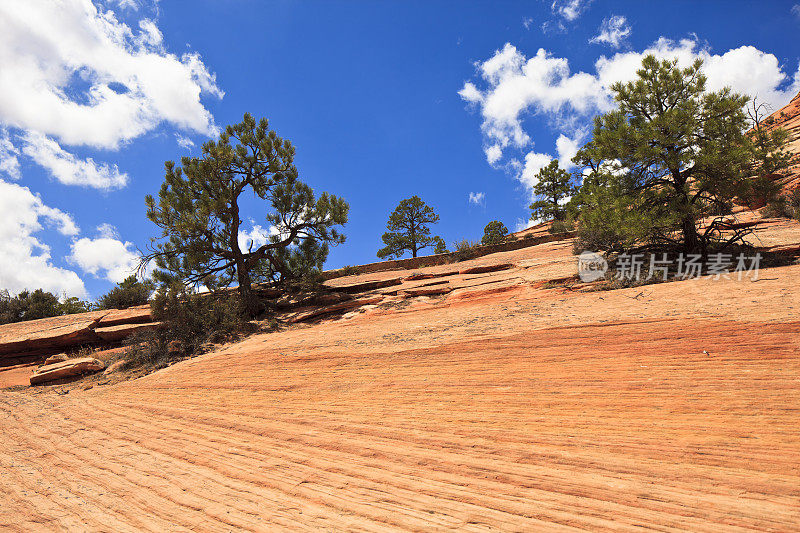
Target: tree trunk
249 300
691 242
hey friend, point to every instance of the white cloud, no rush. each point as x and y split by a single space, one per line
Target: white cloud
516 88
127 4
796 10
493 153
257 236
567 148
534 162
105 256
184 142
67 168
570 9
9 162
477 198
524 224
527 22
80 75
541 84
25 261
613 31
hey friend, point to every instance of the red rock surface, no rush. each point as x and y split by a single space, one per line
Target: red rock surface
66 369
34 340
120 332
47 335
502 405
132 315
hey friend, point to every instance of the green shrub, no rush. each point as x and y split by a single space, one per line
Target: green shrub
127 293
778 208
561 226
28 306
793 199
439 246
190 323
349 270
465 250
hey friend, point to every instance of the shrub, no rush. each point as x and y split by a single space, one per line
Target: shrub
349 270
127 293
778 208
74 305
190 322
794 203
28 306
439 246
561 226
464 250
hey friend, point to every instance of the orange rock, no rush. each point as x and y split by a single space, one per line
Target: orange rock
57 358
350 304
485 268
123 331
65 369
426 291
131 315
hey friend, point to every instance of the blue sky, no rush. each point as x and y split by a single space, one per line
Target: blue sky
382 100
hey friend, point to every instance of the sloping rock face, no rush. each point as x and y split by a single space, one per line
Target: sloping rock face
66 369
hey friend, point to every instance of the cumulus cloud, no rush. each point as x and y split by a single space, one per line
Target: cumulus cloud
25 261
517 85
477 198
105 256
570 9
67 168
534 162
512 88
613 31
78 74
75 75
9 162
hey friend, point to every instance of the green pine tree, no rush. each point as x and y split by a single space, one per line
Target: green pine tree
198 211
409 229
667 157
552 187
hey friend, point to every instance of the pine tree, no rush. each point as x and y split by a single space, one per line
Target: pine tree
552 188
667 157
408 229
198 210
495 232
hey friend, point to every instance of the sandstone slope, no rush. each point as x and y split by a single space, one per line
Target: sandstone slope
499 405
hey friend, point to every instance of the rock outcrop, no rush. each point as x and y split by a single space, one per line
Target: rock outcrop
35 340
66 369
